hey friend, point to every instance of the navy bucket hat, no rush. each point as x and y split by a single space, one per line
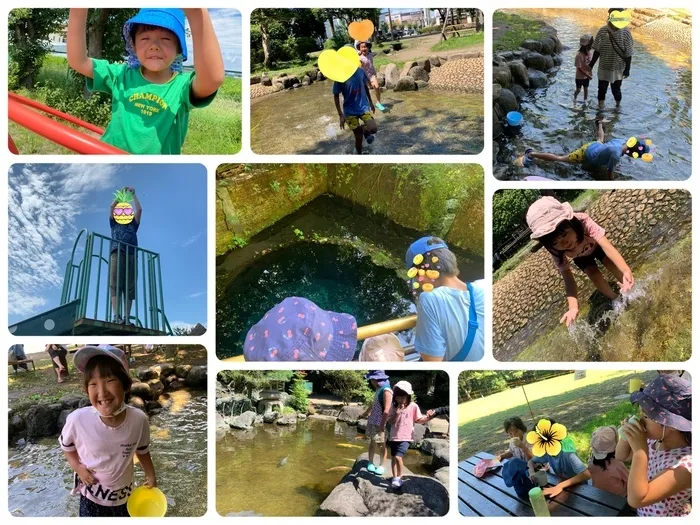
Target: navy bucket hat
667 400
298 330
377 375
421 247
170 19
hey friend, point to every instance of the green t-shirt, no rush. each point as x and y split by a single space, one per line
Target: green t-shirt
147 118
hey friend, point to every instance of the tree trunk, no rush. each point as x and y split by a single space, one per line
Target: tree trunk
391 31
264 33
444 23
330 25
96 33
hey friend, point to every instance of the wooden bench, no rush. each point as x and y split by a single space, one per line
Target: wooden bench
16 363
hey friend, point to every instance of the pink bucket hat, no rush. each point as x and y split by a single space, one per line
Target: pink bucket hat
603 441
546 214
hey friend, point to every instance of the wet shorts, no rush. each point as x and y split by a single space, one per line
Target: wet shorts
373 433
577 156
90 509
398 448
355 122
582 82
590 260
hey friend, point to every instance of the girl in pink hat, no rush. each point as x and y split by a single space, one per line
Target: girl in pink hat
575 236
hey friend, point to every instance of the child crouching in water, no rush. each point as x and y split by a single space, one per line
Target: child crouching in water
570 236
151 95
584 73
404 414
517 447
100 441
607 472
659 447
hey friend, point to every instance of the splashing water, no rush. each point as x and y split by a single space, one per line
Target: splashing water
587 334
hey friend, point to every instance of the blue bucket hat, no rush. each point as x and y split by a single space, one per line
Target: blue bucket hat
170 19
377 375
298 330
421 247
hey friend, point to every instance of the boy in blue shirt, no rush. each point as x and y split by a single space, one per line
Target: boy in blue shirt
357 107
598 155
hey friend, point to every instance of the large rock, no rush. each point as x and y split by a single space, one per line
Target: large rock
518 72
537 79
266 81
558 60
312 74
536 61
425 64
502 76
270 417
496 91
244 421
305 80
549 62
421 84
141 390
234 404
351 413
435 61
419 432
166 369
290 82
137 402
519 91
152 372
443 476
381 80
71 401
178 384
153 406
497 126
532 45
197 378
407 67
439 449
406 84
507 101
360 494
62 416
391 75
548 45
255 79
419 73
287 420
156 387
17 424
182 370
41 421
320 76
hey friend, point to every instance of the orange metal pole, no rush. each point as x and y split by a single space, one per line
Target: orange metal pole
54 112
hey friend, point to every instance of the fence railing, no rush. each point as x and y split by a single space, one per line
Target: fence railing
88 279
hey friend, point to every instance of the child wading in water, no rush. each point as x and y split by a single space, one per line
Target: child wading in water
607 473
596 156
367 64
378 419
584 73
659 447
517 447
574 236
151 96
100 441
404 414
357 107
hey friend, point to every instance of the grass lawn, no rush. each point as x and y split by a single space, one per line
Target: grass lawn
598 399
215 129
509 31
459 42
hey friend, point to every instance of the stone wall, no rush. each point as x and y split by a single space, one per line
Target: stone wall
530 299
524 68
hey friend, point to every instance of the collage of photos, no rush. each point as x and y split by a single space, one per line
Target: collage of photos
449 330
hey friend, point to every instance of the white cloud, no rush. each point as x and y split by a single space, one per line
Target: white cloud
43 201
228 27
195 295
192 239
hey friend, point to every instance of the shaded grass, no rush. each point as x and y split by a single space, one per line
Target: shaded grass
459 42
580 405
656 327
509 31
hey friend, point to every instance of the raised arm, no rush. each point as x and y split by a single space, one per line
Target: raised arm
137 205
208 62
76 47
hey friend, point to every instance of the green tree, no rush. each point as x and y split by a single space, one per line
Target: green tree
347 384
509 209
264 18
300 398
28 39
104 32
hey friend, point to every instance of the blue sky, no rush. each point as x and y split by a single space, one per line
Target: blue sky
50 203
227 24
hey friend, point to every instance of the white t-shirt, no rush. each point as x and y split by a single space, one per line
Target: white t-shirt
108 451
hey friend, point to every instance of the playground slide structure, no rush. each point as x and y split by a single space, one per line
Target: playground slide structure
86 308
21 111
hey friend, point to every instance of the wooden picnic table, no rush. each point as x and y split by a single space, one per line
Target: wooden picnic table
489 496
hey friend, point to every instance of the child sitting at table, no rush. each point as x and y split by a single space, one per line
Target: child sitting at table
517 447
607 472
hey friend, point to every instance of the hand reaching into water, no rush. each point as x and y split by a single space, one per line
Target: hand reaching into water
627 281
569 317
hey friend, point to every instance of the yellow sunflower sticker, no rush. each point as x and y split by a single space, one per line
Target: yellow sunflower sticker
546 438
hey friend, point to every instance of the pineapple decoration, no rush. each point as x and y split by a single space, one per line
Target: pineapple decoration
423 273
123 211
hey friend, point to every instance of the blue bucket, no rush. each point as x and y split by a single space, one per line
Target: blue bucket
514 119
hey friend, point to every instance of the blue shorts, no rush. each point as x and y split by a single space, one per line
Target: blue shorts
398 448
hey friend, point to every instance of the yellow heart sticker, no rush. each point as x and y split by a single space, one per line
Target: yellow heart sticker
361 31
338 65
412 272
418 259
620 19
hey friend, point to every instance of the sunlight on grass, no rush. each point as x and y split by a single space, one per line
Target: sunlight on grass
518 30
459 42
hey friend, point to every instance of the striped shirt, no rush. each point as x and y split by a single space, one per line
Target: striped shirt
610 59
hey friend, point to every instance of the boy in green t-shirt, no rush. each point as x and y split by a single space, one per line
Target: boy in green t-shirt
151 96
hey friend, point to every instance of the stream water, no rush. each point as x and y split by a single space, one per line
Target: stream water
251 482
425 122
39 478
656 103
340 276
